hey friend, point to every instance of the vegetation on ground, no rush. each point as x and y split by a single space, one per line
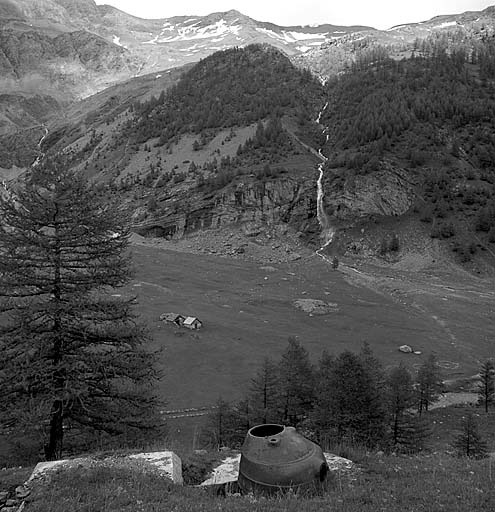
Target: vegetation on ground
235 87
385 483
433 115
348 398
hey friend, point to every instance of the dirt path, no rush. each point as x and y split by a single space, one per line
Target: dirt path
449 399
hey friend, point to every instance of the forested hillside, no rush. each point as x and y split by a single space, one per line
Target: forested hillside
403 138
236 87
434 116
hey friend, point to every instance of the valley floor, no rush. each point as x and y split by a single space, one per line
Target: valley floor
247 305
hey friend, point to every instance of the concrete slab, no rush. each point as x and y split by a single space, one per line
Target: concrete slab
166 462
226 471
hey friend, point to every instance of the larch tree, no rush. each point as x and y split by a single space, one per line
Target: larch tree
408 432
469 442
322 413
263 393
377 390
428 384
72 352
296 383
222 425
354 401
400 395
486 385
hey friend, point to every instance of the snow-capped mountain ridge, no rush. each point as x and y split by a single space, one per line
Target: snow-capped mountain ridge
136 46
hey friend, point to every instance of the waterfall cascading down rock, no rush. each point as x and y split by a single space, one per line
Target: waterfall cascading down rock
327 230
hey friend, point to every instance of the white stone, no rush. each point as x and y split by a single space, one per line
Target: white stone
168 462
45 467
336 463
406 349
228 469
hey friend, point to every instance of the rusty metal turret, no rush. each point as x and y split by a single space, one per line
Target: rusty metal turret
276 458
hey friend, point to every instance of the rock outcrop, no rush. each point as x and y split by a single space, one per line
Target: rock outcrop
386 192
245 202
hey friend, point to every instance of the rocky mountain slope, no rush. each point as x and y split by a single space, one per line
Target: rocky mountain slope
78 38
138 46
234 141
406 145
72 49
206 152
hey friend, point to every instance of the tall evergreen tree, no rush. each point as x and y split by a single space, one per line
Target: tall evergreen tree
469 442
400 398
486 386
376 392
296 383
71 354
408 432
322 414
222 425
350 401
263 393
428 383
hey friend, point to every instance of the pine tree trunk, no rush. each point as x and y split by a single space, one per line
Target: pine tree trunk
396 428
487 393
53 450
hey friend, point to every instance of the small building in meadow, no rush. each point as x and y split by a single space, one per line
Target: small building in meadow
173 318
191 322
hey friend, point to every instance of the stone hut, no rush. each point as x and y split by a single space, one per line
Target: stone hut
172 318
191 322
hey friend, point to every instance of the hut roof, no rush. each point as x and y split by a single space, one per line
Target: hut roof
171 317
191 319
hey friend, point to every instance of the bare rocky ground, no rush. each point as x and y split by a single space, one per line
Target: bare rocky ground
253 243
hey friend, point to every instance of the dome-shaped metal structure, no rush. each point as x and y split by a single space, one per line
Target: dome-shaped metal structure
276 458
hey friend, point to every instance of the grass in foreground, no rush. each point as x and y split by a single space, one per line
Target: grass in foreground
386 484
10 478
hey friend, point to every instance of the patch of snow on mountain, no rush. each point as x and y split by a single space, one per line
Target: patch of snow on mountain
303 49
116 40
301 36
446 24
190 32
271 34
152 41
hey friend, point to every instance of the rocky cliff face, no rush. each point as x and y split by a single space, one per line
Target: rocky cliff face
245 203
253 205
386 192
